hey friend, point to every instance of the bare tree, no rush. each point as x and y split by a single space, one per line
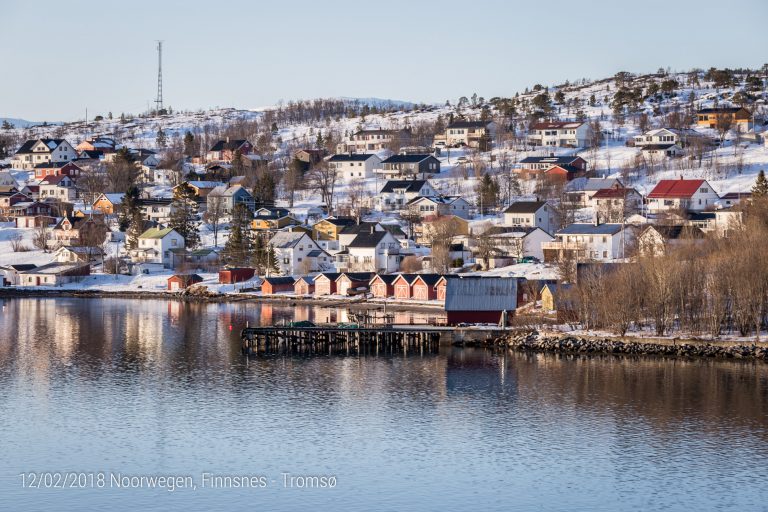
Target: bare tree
323 178
214 215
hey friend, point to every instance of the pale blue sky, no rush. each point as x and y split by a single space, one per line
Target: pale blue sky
60 57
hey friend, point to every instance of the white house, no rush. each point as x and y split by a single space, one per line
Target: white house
364 141
599 242
682 194
466 133
581 190
61 187
520 243
531 214
375 251
659 136
297 254
156 245
34 152
354 166
564 134
431 206
396 193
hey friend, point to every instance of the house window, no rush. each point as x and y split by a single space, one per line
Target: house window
605 254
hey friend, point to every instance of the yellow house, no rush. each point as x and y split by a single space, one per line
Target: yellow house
710 117
330 228
266 219
107 203
446 224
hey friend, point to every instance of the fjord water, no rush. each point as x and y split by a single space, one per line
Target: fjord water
159 388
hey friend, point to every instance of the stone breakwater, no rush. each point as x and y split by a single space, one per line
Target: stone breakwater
533 341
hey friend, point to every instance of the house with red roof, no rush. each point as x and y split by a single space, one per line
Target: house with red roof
692 195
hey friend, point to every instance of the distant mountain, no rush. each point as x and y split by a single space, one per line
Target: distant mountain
23 123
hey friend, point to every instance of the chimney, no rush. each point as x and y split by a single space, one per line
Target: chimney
371 229
227 139
552 155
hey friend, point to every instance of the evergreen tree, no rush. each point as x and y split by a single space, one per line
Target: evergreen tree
128 209
761 185
189 144
135 229
7 125
488 193
184 215
319 142
161 139
238 249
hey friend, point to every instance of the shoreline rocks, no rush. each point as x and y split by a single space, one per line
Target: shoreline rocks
534 342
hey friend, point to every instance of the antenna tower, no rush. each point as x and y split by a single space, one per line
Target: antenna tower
159 99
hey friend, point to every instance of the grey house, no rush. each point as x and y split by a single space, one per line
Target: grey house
229 197
409 166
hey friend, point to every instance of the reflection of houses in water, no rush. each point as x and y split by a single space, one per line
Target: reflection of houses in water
479 371
174 311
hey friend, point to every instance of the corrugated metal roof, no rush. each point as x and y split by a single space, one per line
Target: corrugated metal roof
676 188
481 294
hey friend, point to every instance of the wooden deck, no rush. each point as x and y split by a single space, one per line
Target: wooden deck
339 339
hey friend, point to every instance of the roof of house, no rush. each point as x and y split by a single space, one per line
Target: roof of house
553 160
358 276
429 279
719 110
612 193
363 227
351 157
286 239
54 180
367 240
406 185
591 184
525 207
657 147
114 198
204 184
156 233
54 165
736 195
332 276
280 280
676 188
20 267
469 124
386 278
584 228
51 144
676 232
556 125
338 221
481 294
186 279
406 159
224 191
231 145
55 268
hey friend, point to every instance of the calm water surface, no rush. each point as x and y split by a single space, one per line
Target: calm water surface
160 388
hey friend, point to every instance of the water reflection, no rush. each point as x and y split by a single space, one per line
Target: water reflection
161 386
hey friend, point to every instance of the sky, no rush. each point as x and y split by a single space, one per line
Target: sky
61 58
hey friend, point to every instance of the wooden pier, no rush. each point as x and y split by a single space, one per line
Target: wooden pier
340 339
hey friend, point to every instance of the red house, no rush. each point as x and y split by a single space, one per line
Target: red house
304 285
273 285
423 286
57 169
349 281
402 284
382 285
181 281
236 275
325 283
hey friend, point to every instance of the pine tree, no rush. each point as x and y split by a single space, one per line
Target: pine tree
189 144
238 249
161 139
184 215
129 207
761 185
271 263
135 229
319 142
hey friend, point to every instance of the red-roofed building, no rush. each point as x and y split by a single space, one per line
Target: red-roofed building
682 194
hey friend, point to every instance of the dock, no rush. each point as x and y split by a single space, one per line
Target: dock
341 339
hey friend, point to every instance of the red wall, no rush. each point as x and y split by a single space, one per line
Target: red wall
474 317
235 275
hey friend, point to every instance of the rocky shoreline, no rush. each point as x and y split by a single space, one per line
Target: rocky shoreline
535 342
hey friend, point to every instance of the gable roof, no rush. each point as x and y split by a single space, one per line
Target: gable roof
156 233
676 188
331 276
352 157
50 144
584 228
720 110
428 279
385 278
469 124
406 159
358 276
367 240
611 193
286 239
280 280
231 145
406 185
525 207
553 160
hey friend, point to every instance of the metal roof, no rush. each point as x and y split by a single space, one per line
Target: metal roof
481 294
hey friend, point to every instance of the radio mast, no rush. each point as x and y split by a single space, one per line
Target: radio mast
159 99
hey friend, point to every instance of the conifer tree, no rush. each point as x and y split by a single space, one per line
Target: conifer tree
761 185
189 144
128 208
161 139
184 215
238 249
